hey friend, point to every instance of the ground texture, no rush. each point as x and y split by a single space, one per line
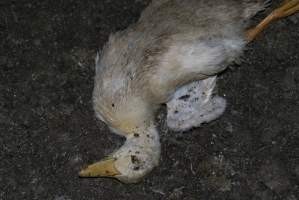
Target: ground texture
48 129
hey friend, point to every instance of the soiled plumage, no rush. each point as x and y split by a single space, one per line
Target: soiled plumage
174 43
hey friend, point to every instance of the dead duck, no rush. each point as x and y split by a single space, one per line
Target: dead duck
171 56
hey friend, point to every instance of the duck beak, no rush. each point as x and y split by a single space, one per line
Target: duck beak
103 168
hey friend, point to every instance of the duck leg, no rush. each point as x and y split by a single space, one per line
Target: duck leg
289 7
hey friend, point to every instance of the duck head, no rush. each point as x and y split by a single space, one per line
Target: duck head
129 164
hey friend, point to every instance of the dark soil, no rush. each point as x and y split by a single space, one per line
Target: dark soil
49 132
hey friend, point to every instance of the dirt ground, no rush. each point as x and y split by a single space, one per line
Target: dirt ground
49 132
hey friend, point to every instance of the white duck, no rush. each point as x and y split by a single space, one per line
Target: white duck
171 55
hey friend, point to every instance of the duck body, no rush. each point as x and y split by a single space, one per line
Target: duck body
174 44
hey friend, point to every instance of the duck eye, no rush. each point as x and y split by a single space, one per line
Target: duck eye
136 162
134 159
113 105
136 135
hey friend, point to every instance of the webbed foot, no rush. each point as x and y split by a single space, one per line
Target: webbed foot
288 8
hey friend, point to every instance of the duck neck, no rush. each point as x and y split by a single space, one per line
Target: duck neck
145 138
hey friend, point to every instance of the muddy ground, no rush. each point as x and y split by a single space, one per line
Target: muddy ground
48 129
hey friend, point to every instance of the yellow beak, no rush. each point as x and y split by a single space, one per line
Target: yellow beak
103 168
